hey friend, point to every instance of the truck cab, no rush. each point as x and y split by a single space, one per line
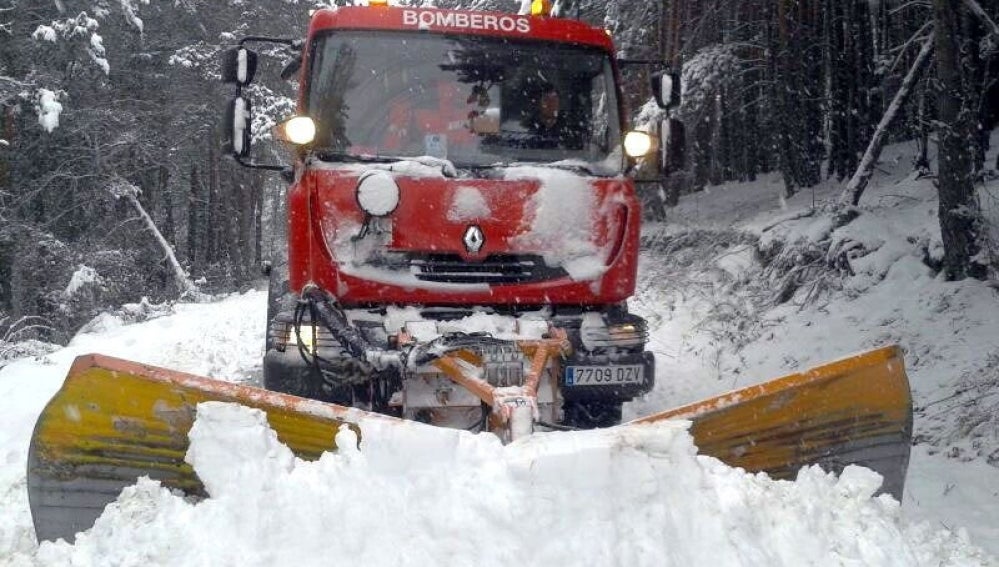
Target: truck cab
460 178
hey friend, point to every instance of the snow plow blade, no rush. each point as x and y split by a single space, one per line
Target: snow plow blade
114 420
857 410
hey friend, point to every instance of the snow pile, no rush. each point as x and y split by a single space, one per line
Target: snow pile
414 495
127 313
222 340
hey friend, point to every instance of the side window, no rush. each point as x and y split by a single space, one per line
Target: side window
334 65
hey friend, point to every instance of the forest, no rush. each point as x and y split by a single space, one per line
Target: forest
114 186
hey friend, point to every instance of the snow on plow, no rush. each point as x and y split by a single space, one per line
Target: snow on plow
114 421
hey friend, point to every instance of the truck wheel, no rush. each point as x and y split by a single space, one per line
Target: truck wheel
279 376
278 298
591 415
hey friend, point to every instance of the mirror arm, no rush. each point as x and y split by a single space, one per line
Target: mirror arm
264 166
643 62
293 43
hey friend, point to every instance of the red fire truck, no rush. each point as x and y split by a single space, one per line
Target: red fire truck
461 184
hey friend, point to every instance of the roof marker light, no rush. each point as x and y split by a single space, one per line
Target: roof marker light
541 7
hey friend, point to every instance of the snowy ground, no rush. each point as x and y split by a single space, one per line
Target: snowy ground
414 496
719 328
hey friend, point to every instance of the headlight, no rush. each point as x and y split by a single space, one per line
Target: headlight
377 193
299 130
637 144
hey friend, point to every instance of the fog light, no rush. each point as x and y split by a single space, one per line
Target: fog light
303 336
596 334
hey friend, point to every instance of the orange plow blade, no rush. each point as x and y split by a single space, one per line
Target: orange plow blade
857 410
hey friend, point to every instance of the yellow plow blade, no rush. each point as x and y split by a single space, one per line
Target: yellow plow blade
114 421
857 410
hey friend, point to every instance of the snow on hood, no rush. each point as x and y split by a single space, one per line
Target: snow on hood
468 205
416 495
563 221
560 223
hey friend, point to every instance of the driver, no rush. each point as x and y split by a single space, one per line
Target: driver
548 123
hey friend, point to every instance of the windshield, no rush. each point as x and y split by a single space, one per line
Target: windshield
476 101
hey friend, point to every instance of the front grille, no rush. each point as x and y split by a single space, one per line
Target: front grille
495 269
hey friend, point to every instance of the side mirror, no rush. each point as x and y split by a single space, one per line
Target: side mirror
666 89
239 65
238 118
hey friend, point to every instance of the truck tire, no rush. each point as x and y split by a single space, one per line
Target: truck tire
279 377
278 298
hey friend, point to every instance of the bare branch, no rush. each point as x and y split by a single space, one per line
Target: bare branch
977 10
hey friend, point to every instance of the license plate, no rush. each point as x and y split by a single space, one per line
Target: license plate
604 375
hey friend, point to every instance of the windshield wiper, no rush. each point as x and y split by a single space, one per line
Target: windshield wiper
325 154
581 168
339 156
573 167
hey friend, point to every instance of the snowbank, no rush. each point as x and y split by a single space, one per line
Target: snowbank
414 495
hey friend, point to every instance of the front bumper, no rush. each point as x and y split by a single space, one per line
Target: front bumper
609 340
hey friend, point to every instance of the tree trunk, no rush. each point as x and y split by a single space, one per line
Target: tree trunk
855 188
184 283
922 162
958 210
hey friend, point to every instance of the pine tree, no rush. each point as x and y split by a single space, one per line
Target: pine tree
960 218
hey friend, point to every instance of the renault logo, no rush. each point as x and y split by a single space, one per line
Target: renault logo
473 239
